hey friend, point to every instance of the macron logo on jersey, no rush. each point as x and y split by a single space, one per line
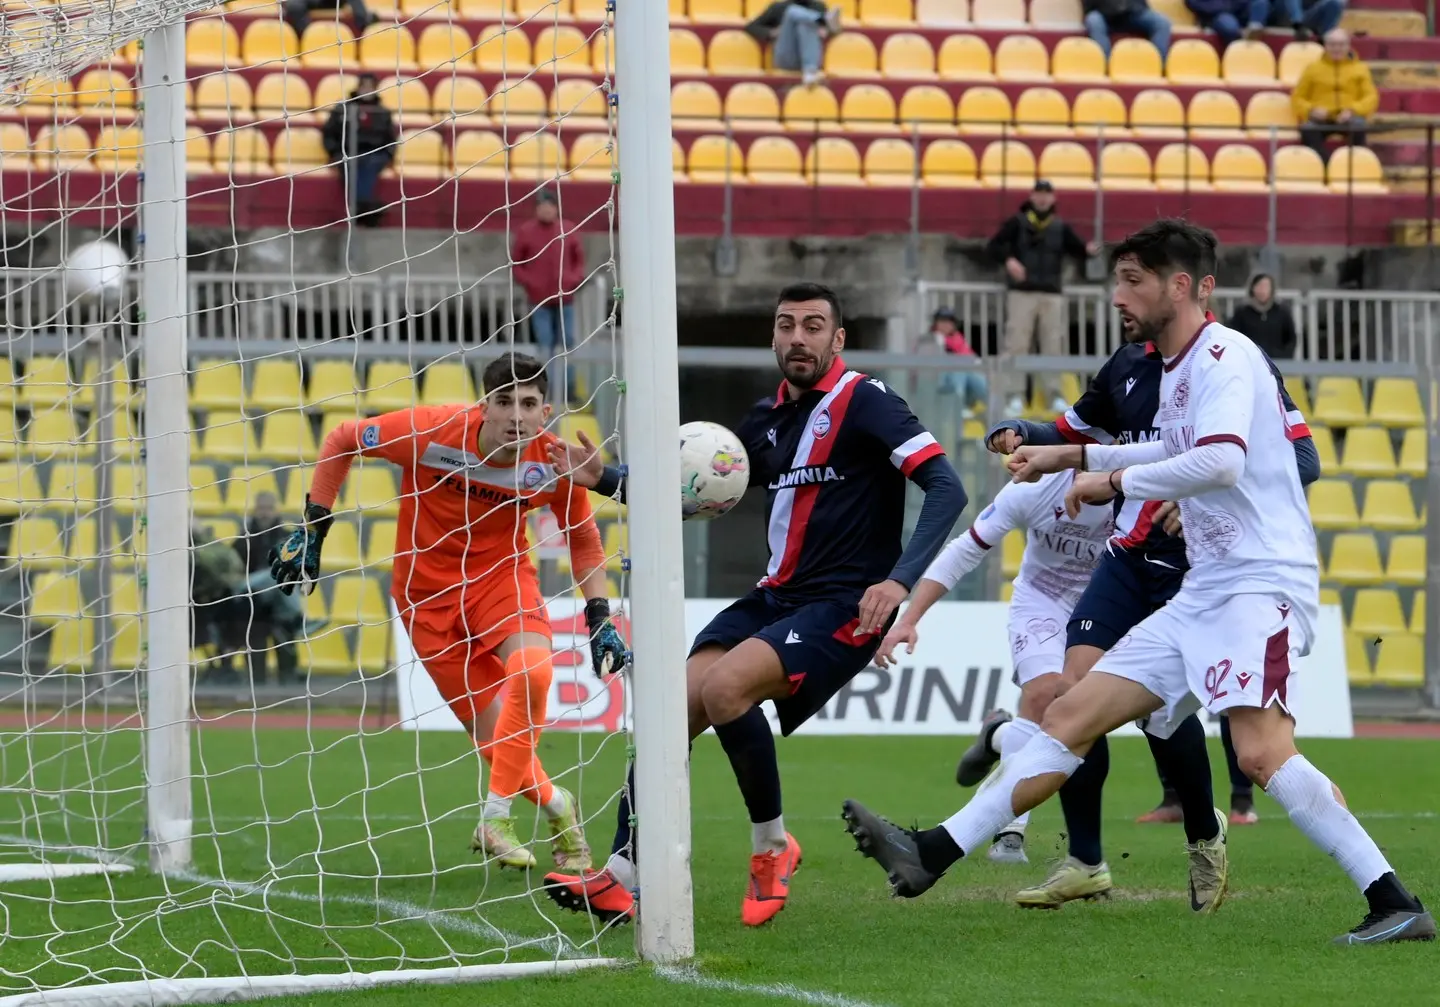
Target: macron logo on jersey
1217 351
1129 384
806 476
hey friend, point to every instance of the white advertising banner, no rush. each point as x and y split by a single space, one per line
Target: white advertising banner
959 671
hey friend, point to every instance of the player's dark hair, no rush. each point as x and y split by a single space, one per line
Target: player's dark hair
1170 246
806 291
514 370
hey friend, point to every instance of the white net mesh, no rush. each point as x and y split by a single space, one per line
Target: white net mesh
335 273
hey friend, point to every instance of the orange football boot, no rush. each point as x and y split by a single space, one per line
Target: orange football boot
596 893
769 886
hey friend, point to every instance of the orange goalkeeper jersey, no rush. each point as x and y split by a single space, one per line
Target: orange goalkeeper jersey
462 519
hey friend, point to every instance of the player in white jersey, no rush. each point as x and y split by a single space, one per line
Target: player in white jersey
1060 554
1246 609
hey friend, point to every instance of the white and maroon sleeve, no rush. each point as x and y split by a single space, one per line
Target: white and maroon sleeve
968 550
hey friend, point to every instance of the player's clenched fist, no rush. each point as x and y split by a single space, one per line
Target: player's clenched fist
607 646
904 632
297 560
1091 487
1004 438
1028 464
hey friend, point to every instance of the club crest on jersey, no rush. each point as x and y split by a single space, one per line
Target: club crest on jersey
370 436
987 511
532 475
1180 397
821 426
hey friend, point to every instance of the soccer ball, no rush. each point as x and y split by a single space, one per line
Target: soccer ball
714 470
96 271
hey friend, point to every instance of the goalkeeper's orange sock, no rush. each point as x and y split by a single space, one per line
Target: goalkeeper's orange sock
515 765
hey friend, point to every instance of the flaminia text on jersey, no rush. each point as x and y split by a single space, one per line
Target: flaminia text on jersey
805 476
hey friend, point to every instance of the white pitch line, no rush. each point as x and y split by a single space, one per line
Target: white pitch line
780 991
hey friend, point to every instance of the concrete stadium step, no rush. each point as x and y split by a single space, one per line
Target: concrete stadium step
1423 75
1391 23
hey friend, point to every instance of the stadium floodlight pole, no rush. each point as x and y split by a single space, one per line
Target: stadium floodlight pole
652 438
164 314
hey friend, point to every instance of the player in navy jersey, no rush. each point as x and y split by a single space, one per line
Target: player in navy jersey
1141 571
833 449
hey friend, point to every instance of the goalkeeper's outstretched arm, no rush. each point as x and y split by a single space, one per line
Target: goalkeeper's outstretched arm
587 559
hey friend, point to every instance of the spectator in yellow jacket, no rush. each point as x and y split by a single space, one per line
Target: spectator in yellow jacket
1335 95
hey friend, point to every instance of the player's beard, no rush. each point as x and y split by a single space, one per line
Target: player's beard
1147 330
801 368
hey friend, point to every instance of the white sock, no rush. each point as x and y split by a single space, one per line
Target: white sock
557 805
973 826
1010 738
768 837
1308 798
622 869
495 806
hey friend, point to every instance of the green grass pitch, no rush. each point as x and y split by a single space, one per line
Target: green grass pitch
362 879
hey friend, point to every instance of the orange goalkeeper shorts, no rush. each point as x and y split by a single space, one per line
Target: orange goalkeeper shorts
457 638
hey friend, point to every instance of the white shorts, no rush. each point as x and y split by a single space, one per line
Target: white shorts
1217 653
1037 638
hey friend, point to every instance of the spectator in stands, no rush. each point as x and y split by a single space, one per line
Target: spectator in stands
297 12
549 263
217 583
360 137
1032 246
1132 17
1335 95
799 29
1309 18
945 337
273 615
1267 322
1229 19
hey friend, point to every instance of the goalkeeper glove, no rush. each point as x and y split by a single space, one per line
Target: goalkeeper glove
607 646
297 561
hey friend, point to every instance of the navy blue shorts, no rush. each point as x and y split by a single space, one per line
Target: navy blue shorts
1125 588
816 642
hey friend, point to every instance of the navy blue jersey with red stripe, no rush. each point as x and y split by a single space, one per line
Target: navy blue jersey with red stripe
834 463
1119 407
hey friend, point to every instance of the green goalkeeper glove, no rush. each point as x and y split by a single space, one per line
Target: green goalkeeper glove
297 561
607 646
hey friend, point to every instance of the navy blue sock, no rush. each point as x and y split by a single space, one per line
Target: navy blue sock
1187 768
1080 800
748 742
1167 789
1240 785
624 831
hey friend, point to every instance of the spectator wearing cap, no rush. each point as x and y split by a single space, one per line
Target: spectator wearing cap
548 262
945 337
799 30
1032 246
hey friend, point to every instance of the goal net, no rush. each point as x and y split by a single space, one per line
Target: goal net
210 790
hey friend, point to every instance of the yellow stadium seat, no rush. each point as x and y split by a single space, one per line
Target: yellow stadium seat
1250 63
907 56
1338 402
1057 15
1215 115
928 109
1022 58
1357 661
287 437
8 379
1300 395
228 437
50 99
242 151
1125 166
9 434
299 149
328 45
1078 61
245 483
1356 170
1332 505
965 57
19 488
127 487
269 40
442 45
1417 613
504 49
687 52
807 109
54 596
833 161
371 489
47 382
390 48
332 387
224 96
1192 61
949 164
1181 18
51 434
539 157
1007 164
408 98
1238 168
1158 114
1012 551
591 158
480 153
218 384
105 93
518 108
733 53
275 384
1294 58
1043 111
1406 565
72 486
1298 169
714 159
14 146
1325 448
851 55
716 11
72 645
326 653
206 496
1096 110
984 111
1414 453
562 49
212 42
197 152
458 98
942 13
372 648
774 160
390 385
1400 661
342 549
447 382
1270 110
62 148
886 12
36 543
1354 560
482 10
1136 61
998 13
286 97
868 108
890 162
1376 612
117 149
332 89
1388 506
379 546
422 154
1329 596
1067 165
751 105
580 104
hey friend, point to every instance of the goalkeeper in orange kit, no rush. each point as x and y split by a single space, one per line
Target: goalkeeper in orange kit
463 581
